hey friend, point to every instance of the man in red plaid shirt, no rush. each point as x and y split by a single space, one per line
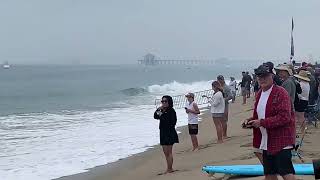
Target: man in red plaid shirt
273 126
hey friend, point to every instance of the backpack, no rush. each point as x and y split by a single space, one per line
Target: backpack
298 88
298 91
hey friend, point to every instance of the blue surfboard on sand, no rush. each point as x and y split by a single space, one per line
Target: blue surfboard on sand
254 170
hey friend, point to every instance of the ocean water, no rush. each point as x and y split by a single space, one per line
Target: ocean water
61 120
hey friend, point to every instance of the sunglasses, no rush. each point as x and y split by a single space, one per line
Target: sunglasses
164 101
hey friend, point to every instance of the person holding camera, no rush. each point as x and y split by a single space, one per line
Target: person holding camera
168 134
273 126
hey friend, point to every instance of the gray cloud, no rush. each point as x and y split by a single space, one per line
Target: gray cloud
110 31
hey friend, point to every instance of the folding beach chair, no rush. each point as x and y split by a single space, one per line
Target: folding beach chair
296 152
311 114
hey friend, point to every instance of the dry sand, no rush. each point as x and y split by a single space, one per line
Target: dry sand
235 150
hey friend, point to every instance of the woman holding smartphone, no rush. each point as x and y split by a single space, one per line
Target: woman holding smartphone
168 134
217 108
193 111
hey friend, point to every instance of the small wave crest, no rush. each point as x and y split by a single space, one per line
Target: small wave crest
177 88
134 91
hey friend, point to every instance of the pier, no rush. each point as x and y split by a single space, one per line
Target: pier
151 60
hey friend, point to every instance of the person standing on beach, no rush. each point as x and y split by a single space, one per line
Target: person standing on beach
248 85
256 86
217 109
233 87
273 126
243 85
227 96
168 134
301 103
192 110
285 73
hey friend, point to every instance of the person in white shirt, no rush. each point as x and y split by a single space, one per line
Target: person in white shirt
233 87
303 98
192 110
273 127
217 109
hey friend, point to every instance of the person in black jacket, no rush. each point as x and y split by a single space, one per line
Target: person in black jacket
168 134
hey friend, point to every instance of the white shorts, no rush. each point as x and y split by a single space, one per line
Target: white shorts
256 150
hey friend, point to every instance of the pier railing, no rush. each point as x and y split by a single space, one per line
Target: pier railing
179 101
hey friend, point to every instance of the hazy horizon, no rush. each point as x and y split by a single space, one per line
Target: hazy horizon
120 32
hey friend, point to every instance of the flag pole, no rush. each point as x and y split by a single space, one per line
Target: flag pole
292 43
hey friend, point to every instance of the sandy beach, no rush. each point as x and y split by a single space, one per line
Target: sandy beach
235 150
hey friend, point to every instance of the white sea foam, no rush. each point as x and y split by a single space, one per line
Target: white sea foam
43 146
176 88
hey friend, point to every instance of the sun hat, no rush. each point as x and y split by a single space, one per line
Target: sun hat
303 75
283 67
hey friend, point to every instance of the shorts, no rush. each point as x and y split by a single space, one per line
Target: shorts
301 106
217 115
279 163
244 91
193 129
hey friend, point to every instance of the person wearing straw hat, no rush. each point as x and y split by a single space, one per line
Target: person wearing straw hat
285 73
303 99
192 110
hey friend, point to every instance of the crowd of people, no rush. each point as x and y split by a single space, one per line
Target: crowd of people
282 96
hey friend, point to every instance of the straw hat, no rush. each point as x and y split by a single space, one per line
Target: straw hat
303 75
283 67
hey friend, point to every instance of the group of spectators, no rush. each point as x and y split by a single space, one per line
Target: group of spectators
282 96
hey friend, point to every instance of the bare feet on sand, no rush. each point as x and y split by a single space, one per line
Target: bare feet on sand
167 172
195 149
219 141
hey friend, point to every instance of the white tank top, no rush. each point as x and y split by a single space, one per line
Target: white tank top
192 118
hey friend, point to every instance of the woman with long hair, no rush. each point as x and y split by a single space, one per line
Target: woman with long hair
168 134
217 109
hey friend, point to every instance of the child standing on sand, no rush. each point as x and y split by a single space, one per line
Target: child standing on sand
192 110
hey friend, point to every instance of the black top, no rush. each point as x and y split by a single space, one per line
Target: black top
246 80
168 118
313 95
277 80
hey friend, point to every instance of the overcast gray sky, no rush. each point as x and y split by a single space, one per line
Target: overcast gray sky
121 31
